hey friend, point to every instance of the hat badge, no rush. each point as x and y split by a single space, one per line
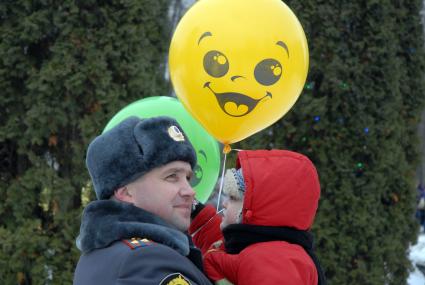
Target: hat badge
175 133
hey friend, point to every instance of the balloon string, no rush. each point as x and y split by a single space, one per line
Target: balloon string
222 181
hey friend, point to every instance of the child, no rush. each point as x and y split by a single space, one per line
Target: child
272 198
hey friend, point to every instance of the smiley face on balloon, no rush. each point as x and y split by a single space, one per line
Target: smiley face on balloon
238 66
266 73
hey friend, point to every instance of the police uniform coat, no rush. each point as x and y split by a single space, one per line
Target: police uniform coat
123 244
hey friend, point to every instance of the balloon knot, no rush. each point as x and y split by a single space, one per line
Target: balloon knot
226 149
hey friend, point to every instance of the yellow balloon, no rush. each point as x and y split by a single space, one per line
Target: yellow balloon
238 65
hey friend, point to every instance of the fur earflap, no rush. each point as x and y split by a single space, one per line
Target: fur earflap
107 221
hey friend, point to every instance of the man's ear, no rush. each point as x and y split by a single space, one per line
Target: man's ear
122 194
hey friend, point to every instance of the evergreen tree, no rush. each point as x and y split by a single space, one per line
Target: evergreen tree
66 67
357 120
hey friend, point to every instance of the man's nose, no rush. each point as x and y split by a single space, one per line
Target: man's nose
187 190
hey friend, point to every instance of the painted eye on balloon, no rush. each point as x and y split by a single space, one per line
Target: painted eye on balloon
216 63
197 177
268 71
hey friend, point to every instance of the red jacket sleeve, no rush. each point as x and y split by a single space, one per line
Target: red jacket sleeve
219 265
205 228
262 263
282 268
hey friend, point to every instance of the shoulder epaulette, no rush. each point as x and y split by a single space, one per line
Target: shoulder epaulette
134 243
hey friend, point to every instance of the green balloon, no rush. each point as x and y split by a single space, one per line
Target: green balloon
207 149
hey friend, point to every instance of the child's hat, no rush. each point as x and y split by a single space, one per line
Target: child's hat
234 183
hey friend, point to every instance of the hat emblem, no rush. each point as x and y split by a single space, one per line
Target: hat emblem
175 133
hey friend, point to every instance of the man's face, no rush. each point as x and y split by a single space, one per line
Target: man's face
165 191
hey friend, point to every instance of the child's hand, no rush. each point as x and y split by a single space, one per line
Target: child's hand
211 267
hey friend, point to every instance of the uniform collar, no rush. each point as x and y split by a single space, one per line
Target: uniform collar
106 221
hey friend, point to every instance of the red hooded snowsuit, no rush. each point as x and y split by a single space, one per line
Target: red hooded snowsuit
282 190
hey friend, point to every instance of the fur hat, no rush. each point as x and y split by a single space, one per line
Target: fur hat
132 148
234 183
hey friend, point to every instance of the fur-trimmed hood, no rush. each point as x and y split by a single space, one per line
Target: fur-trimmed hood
106 221
282 188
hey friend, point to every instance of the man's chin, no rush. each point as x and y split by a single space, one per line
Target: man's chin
182 225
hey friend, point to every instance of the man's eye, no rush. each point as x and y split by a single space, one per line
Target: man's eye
172 176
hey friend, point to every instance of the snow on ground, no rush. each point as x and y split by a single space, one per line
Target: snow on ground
416 278
417 256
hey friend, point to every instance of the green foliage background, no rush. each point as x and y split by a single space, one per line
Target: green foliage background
66 67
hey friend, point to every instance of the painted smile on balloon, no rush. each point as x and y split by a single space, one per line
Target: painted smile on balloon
267 72
236 104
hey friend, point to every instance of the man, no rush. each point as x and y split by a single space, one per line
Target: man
134 232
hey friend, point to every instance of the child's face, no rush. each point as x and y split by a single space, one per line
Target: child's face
232 208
